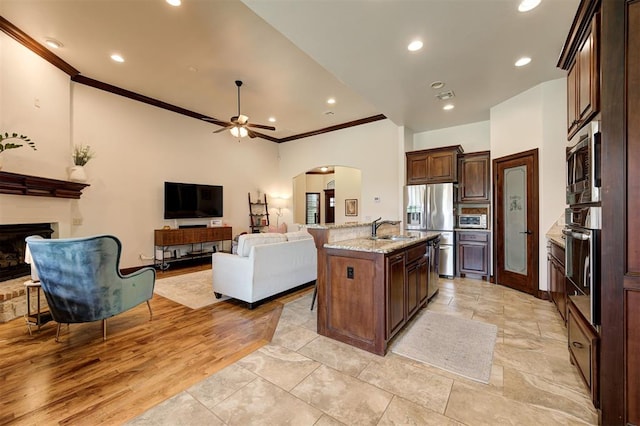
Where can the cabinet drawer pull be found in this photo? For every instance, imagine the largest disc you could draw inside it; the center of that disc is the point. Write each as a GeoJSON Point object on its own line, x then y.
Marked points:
{"type": "Point", "coordinates": [577, 345]}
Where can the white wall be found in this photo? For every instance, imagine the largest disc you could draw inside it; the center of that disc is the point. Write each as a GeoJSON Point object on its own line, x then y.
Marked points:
{"type": "Point", "coordinates": [537, 119]}
{"type": "Point", "coordinates": [372, 148]}
{"type": "Point", "coordinates": [137, 148]}
{"type": "Point", "coordinates": [473, 137]}
{"type": "Point", "coordinates": [348, 186]}
{"type": "Point", "coordinates": [35, 102]}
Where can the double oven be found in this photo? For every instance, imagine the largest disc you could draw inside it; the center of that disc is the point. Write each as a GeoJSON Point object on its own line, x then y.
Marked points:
{"type": "Point", "coordinates": [583, 221]}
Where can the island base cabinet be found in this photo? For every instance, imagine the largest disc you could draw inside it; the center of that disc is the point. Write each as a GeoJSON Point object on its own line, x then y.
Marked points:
{"type": "Point", "coordinates": [368, 297]}
{"type": "Point", "coordinates": [354, 292]}
{"type": "Point", "coordinates": [396, 313]}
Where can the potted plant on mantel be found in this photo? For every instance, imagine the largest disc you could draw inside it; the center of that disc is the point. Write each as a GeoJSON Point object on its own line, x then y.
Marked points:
{"type": "Point", "coordinates": [11, 145]}
{"type": "Point", "coordinates": [81, 156]}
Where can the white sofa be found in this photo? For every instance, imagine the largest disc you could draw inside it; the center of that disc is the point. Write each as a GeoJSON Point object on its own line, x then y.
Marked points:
{"type": "Point", "coordinates": [267, 264]}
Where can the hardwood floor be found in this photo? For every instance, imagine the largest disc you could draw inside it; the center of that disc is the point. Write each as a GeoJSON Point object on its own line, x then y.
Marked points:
{"type": "Point", "coordinates": [84, 379]}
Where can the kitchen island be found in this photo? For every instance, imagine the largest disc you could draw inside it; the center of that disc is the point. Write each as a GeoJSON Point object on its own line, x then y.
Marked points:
{"type": "Point", "coordinates": [368, 289]}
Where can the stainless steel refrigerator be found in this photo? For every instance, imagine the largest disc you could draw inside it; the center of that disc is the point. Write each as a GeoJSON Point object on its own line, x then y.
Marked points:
{"type": "Point", "coordinates": [430, 208]}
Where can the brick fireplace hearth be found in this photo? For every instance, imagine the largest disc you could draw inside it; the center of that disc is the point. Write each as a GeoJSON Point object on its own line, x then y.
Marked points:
{"type": "Point", "coordinates": [13, 270]}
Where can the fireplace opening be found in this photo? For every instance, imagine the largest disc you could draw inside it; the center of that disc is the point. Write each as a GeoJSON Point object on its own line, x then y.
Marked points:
{"type": "Point", "coordinates": [13, 246]}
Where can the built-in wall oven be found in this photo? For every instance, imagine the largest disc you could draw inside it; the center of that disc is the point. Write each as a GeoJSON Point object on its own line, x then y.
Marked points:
{"type": "Point", "coordinates": [582, 259]}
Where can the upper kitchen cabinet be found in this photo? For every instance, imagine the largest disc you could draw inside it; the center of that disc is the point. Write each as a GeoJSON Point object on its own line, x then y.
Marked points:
{"type": "Point", "coordinates": [474, 182]}
{"type": "Point", "coordinates": [439, 165]}
{"type": "Point", "coordinates": [580, 56]}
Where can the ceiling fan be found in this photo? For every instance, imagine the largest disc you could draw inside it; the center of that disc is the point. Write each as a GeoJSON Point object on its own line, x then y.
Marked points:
{"type": "Point", "coordinates": [239, 124]}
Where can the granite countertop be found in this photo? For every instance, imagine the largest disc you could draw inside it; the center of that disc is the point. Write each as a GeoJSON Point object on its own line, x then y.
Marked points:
{"type": "Point", "coordinates": [382, 245]}
{"type": "Point", "coordinates": [556, 238]}
{"type": "Point", "coordinates": [555, 232]}
{"type": "Point", "coordinates": [338, 226]}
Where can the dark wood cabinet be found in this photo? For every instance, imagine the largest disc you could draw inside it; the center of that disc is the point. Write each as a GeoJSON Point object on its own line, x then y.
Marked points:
{"type": "Point", "coordinates": [439, 165]}
{"type": "Point", "coordinates": [195, 237]}
{"type": "Point", "coordinates": [619, 344]}
{"type": "Point", "coordinates": [352, 299]}
{"type": "Point", "coordinates": [369, 296]}
{"type": "Point", "coordinates": [583, 349]}
{"type": "Point", "coordinates": [474, 181]}
{"type": "Point", "coordinates": [473, 253]}
{"type": "Point", "coordinates": [583, 81]}
{"type": "Point", "coordinates": [417, 278]}
{"type": "Point", "coordinates": [396, 297]}
{"type": "Point", "coordinates": [555, 277]}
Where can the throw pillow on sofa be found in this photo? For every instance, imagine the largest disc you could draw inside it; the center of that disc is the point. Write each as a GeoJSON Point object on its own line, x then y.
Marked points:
{"type": "Point", "coordinates": [245, 242]}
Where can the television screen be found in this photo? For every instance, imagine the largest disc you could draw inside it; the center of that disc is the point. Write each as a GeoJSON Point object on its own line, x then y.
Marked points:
{"type": "Point", "coordinates": [190, 200]}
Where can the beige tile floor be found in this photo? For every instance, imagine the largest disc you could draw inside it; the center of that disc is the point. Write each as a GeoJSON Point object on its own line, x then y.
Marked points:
{"type": "Point", "coordinates": [301, 378]}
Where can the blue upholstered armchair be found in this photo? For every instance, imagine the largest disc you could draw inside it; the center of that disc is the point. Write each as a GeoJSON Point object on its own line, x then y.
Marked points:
{"type": "Point", "coordinates": [81, 280]}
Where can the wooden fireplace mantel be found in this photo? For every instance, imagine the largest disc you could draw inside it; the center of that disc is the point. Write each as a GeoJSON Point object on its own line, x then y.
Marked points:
{"type": "Point", "coordinates": [17, 184]}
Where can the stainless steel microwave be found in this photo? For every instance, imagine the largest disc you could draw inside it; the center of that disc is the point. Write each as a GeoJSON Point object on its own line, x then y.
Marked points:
{"type": "Point", "coordinates": [583, 166]}
{"type": "Point", "coordinates": [478, 221]}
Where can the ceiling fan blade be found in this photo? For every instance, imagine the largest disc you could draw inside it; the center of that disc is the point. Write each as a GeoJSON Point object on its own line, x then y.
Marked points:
{"type": "Point", "coordinates": [261, 126]}
{"type": "Point", "coordinates": [223, 129]}
{"type": "Point", "coordinates": [215, 121]}
{"type": "Point", "coordinates": [251, 133]}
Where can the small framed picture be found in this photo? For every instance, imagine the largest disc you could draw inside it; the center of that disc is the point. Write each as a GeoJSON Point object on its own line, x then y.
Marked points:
{"type": "Point", "coordinates": [351, 207]}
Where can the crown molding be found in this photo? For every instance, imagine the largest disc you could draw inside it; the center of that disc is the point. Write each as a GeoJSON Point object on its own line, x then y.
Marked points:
{"type": "Point", "coordinates": [40, 50]}
{"type": "Point", "coordinates": [37, 48]}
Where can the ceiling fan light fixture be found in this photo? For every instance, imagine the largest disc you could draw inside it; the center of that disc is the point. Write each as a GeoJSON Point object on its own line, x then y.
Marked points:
{"type": "Point", "coordinates": [239, 132]}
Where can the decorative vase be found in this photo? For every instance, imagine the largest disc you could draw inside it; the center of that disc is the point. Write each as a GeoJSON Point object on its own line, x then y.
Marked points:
{"type": "Point", "coordinates": [77, 174]}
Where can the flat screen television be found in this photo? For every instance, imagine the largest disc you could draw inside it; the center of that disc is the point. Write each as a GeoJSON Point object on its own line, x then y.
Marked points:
{"type": "Point", "coordinates": [190, 200]}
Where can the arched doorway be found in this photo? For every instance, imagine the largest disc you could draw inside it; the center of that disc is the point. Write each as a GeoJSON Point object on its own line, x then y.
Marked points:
{"type": "Point", "coordinates": [330, 186]}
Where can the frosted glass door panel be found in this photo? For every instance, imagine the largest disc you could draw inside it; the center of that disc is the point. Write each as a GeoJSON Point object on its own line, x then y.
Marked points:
{"type": "Point", "coordinates": [515, 219]}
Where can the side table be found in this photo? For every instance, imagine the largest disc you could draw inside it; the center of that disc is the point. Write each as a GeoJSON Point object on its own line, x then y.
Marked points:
{"type": "Point", "coordinates": [38, 317]}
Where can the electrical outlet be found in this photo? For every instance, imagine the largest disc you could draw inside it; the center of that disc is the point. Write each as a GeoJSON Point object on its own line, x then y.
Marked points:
{"type": "Point", "coordinates": [76, 221]}
{"type": "Point", "coordinates": [350, 272]}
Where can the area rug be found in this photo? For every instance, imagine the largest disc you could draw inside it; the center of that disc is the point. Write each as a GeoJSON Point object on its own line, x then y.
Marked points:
{"type": "Point", "coordinates": [458, 345]}
{"type": "Point", "coordinates": [193, 290]}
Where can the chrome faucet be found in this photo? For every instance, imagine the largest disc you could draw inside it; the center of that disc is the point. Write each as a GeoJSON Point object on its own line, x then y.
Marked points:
{"type": "Point", "coordinates": [375, 225]}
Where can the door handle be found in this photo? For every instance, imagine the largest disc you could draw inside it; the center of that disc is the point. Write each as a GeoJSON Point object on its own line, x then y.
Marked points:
{"type": "Point", "coordinates": [527, 232]}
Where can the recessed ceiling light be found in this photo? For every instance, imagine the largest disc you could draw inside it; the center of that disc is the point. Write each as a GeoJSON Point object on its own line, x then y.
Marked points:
{"type": "Point", "coordinates": [522, 61]}
{"type": "Point", "coordinates": [331, 101]}
{"type": "Point", "coordinates": [414, 45]}
{"type": "Point", "coordinates": [437, 85]}
{"type": "Point", "coordinates": [174, 2]}
{"type": "Point", "coordinates": [53, 43]}
{"type": "Point", "coordinates": [272, 119]}
{"type": "Point", "coordinates": [527, 5]}
{"type": "Point", "coordinates": [117, 57]}
{"type": "Point", "coordinates": [448, 107]}
{"type": "Point", "coordinates": [324, 169]}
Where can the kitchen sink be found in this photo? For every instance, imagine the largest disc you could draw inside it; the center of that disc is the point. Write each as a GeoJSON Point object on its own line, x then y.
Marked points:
{"type": "Point", "coordinates": [393, 237]}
